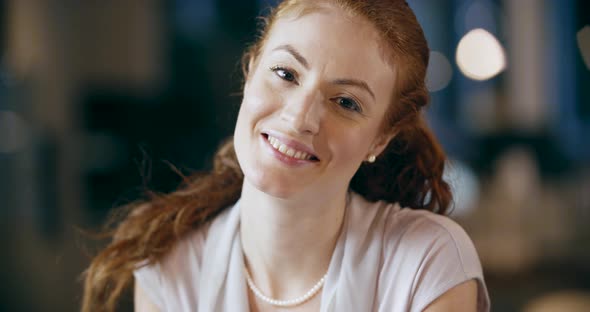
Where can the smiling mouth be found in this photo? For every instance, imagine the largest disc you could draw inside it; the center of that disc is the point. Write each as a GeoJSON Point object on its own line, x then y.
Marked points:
{"type": "Point", "coordinates": [288, 151]}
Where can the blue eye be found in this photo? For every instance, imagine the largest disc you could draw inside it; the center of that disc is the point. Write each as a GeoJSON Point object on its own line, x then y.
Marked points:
{"type": "Point", "coordinates": [284, 73]}
{"type": "Point", "coordinates": [349, 104]}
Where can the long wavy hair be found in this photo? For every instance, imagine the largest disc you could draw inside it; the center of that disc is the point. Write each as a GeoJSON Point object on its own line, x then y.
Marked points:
{"type": "Point", "coordinates": [409, 171]}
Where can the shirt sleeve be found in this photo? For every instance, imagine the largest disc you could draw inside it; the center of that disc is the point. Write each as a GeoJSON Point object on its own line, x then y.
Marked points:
{"type": "Point", "coordinates": [448, 258]}
{"type": "Point", "coordinates": [149, 278]}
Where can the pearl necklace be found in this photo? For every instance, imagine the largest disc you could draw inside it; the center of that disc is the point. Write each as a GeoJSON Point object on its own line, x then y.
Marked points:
{"type": "Point", "coordinates": [285, 303]}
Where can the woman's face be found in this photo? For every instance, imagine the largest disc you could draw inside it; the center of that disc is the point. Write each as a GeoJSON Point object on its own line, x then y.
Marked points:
{"type": "Point", "coordinates": [313, 104]}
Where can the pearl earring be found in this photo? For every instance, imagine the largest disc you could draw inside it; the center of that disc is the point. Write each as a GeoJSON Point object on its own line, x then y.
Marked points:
{"type": "Point", "coordinates": [371, 158]}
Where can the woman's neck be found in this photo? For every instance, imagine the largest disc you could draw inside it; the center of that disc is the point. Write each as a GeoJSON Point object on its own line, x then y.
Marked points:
{"type": "Point", "coordinates": [288, 244]}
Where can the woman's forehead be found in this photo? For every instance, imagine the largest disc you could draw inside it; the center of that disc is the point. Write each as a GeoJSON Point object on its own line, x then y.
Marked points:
{"type": "Point", "coordinates": [326, 24]}
{"type": "Point", "coordinates": [332, 39]}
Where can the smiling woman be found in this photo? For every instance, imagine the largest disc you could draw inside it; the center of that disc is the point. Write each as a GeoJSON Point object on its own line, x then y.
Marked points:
{"type": "Point", "coordinates": [330, 195]}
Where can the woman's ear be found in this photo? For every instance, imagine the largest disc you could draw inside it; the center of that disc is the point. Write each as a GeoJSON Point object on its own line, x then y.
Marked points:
{"type": "Point", "coordinates": [380, 144]}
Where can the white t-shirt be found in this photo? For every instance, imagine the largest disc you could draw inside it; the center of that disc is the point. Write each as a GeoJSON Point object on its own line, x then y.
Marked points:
{"type": "Point", "coordinates": [386, 259]}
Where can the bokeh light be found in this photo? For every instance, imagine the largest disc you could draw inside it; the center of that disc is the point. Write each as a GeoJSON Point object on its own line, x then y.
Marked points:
{"type": "Point", "coordinates": [14, 132]}
{"type": "Point", "coordinates": [583, 38]}
{"type": "Point", "coordinates": [464, 186]}
{"type": "Point", "coordinates": [480, 56]}
{"type": "Point", "coordinates": [439, 72]}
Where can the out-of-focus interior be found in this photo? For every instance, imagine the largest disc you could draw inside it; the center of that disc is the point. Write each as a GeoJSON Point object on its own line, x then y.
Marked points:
{"type": "Point", "coordinates": [99, 98]}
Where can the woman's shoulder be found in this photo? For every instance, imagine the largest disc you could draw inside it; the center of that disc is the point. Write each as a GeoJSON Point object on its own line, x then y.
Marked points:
{"type": "Point", "coordinates": [174, 281]}
{"type": "Point", "coordinates": [425, 225]}
{"type": "Point", "coordinates": [183, 259]}
{"type": "Point", "coordinates": [178, 270]}
{"type": "Point", "coordinates": [429, 234]}
{"type": "Point", "coordinates": [424, 254]}
{"type": "Point", "coordinates": [445, 254]}
{"type": "Point", "coordinates": [177, 274]}
{"type": "Point", "coordinates": [188, 251]}
{"type": "Point", "coordinates": [413, 228]}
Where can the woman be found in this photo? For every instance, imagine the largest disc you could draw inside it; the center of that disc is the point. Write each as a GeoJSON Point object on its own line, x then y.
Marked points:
{"type": "Point", "coordinates": [329, 144]}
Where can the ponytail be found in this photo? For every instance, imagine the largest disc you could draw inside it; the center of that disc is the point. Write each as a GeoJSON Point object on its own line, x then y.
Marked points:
{"type": "Point", "coordinates": [408, 171]}
{"type": "Point", "coordinates": [151, 228]}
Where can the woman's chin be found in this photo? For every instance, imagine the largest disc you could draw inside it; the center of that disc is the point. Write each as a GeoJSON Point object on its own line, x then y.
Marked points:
{"type": "Point", "coordinates": [275, 186]}
{"type": "Point", "coordinates": [276, 189]}
{"type": "Point", "coordinates": [272, 179]}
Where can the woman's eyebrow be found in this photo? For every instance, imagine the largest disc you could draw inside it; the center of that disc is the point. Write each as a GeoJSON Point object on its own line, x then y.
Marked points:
{"type": "Point", "coordinates": [355, 82]}
{"type": "Point", "coordinates": [348, 82]}
{"type": "Point", "coordinates": [291, 50]}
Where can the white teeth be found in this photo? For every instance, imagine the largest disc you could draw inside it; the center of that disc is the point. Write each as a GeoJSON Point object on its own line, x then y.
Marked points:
{"type": "Point", "coordinates": [282, 148]}
{"type": "Point", "coordinates": [304, 156]}
{"type": "Point", "coordinates": [290, 152]}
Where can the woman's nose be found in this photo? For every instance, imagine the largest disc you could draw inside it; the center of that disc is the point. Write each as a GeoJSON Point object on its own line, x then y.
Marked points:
{"type": "Point", "coordinates": [303, 112]}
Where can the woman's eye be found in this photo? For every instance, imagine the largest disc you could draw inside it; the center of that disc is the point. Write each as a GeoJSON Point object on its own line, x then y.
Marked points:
{"type": "Point", "coordinates": [349, 104]}
{"type": "Point", "coordinates": [284, 73]}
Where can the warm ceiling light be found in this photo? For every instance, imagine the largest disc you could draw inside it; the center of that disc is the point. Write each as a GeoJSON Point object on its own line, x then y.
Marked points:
{"type": "Point", "coordinates": [480, 55]}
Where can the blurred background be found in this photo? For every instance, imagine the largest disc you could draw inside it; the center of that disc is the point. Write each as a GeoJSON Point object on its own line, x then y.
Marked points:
{"type": "Point", "coordinates": [98, 98]}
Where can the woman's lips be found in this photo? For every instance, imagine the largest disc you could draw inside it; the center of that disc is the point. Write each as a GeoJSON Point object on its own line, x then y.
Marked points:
{"type": "Point", "coordinates": [288, 148]}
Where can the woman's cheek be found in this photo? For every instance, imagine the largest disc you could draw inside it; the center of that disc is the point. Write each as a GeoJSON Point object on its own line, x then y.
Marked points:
{"type": "Point", "coordinates": [253, 104]}
{"type": "Point", "coordinates": [262, 98]}
{"type": "Point", "coordinates": [354, 142]}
